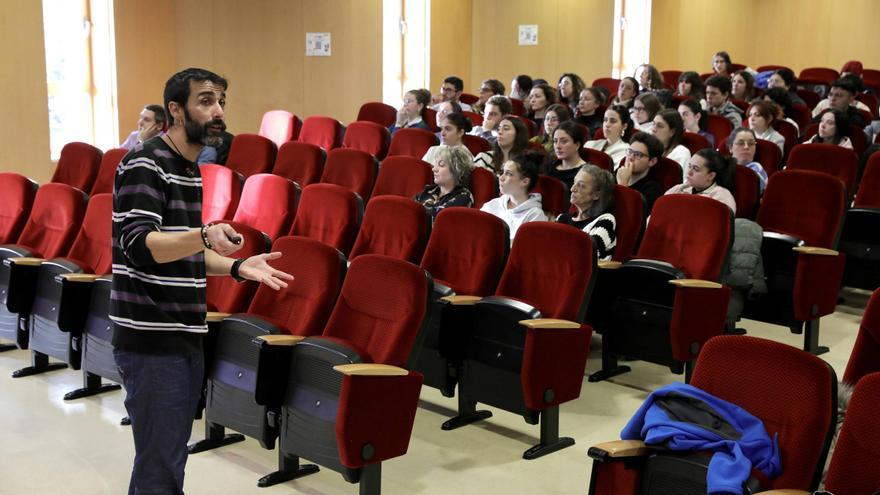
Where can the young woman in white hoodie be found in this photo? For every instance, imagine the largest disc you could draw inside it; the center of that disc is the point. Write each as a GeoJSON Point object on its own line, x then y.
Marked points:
{"type": "Point", "coordinates": [517, 205]}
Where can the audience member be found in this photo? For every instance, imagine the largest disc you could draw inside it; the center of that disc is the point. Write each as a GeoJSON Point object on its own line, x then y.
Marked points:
{"type": "Point", "coordinates": [743, 84]}
{"type": "Point", "coordinates": [452, 172]}
{"type": "Point", "coordinates": [781, 98]}
{"type": "Point", "coordinates": [669, 129]}
{"type": "Point", "coordinates": [833, 129]}
{"type": "Point", "coordinates": [556, 114]}
{"type": "Point", "coordinates": [452, 129]}
{"type": "Point", "coordinates": [567, 142]}
{"type": "Point", "coordinates": [520, 87]}
{"type": "Point", "coordinates": [570, 86]}
{"type": "Point", "coordinates": [517, 204]}
{"type": "Point", "coordinates": [718, 89]}
{"type": "Point", "coordinates": [784, 78]}
{"type": "Point", "coordinates": [643, 110]}
{"type": "Point", "coordinates": [592, 195]}
{"type": "Point", "coordinates": [842, 96]}
{"type": "Point", "coordinates": [627, 90]}
{"type": "Point", "coordinates": [649, 78]}
{"type": "Point", "coordinates": [690, 85]}
{"type": "Point", "coordinates": [540, 98]}
{"type": "Point", "coordinates": [721, 64]}
{"type": "Point", "coordinates": [451, 91]}
{"type": "Point", "coordinates": [512, 140]}
{"type": "Point", "coordinates": [591, 99]}
{"type": "Point", "coordinates": [762, 113]}
{"type": "Point", "coordinates": [616, 126]}
{"type": "Point", "coordinates": [488, 89]}
{"type": "Point", "coordinates": [643, 153]}
{"type": "Point", "coordinates": [412, 113]}
{"type": "Point", "coordinates": [743, 143]}
{"type": "Point", "coordinates": [708, 174]}
{"type": "Point", "coordinates": [496, 109]}
{"type": "Point", "coordinates": [151, 123]}
{"type": "Point", "coordinates": [694, 118]}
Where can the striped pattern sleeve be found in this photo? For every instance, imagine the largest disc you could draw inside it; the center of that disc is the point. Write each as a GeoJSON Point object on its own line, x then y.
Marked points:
{"type": "Point", "coordinates": [603, 232]}
{"type": "Point", "coordinates": [139, 207]}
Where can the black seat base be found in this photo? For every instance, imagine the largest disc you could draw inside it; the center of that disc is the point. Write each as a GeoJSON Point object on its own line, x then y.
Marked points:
{"type": "Point", "coordinates": [467, 413]}
{"type": "Point", "coordinates": [91, 386]}
{"type": "Point", "coordinates": [39, 364]}
{"type": "Point", "coordinates": [542, 449]}
{"type": "Point", "coordinates": [215, 436]}
{"type": "Point", "coordinates": [606, 373]}
{"type": "Point", "coordinates": [289, 469]}
{"type": "Point", "coordinates": [8, 347]}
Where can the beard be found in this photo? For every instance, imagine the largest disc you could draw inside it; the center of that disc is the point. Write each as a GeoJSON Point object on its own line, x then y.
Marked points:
{"type": "Point", "coordinates": [202, 133]}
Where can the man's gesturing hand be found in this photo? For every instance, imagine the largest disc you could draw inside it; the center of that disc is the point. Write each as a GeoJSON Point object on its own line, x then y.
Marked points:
{"type": "Point", "coordinates": [256, 268]}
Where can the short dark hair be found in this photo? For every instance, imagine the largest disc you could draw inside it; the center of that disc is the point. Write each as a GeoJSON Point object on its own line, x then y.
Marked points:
{"type": "Point", "coordinates": [495, 85]}
{"type": "Point", "coordinates": [460, 121]}
{"type": "Point", "coordinates": [723, 166]}
{"type": "Point", "coordinates": [655, 147]}
{"type": "Point", "coordinates": [502, 102]}
{"type": "Point", "coordinates": [779, 96]}
{"type": "Point", "coordinates": [528, 167]}
{"type": "Point", "coordinates": [846, 84]}
{"type": "Point", "coordinates": [524, 82]}
{"type": "Point", "coordinates": [177, 88]}
{"type": "Point", "coordinates": [732, 136]}
{"type": "Point", "coordinates": [456, 82]}
{"type": "Point", "coordinates": [159, 112]}
{"type": "Point", "coordinates": [722, 83]}
{"type": "Point", "coordinates": [787, 76]}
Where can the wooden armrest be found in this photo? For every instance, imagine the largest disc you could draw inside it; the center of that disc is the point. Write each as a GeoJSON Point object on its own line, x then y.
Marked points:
{"type": "Point", "coordinates": [280, 339]}
{"type": "Point", "coordinates": [786, 491]}
{"type": "Point", "coordinates": [609, 265]}
{"type": "Point", "coordinates": [695, 283]}
{"type": "Point", "coordinates": [549, 323]}
{"type": "Point", "coordinates": [216, 316]}
{"type": "Point", "coordinates": [24, 261]}
{"type": "Point", "coordinates": [79, 277]}
{"type": "Point", "coordinates": [620, 448]}
{"type": "Point", "coordinates": [815, 250]}
{"type": "Point", "coordinates": [370, 369]}
{"type": "Point", "coordinates": [461, 300]}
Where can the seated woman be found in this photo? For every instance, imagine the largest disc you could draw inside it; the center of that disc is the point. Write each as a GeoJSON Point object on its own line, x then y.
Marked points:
{"type": "Point", "coordinates": [694, 118]}
{"type": "Point", "coordinates": [412, 113]}
{"type": "Point", "coordinates": [520, 87]}
{"type": "Point", "coordinates": [708, 174]}
{"type": "Point", "coordinates": [592, 195]}
{"type": "Point", "coordinates": [556, 114]}
{"type": "Point", "coordinates": [721, 64]}
{"type": "Point", "coordinates": [783, 101]}
{"type": "Point", "coordinates": [743, 85]}
{"type": "Point", "coordinates": [833, 129]}
{"type": "Point", "coordinates": [643, 111]}
{"type": "Point", "coordinates": [452, 129]}
{"type": "Point", "coordinates": [540, 99]}
{"type": "Point", "coordinates": [649, 78]}
{"type": "Point", "coordinates": [691, 86]}
{"type": "Point", "coordinates": [616, 126]}
{"type": "Point", "coordinates": [570, 86]}
{"type": "Point", "coordinates": [513, 140]}
{"type": "Point", "coordinates": [443, 109]}
{"type": "Point", "coordinates": [567, 141]}
{"type": "Point", "coordinates": [627, 90]}
{"type": "Point", "coordinates": [669, 129]}
{"type": "Point", "coordinates": [761, 115]}
{"type": "Point", "coordinates": [517, 204]}
{"type": "Point", "coordinates": [587, 111]}
{"type": "Point", "coordinates": [451, 174]}
{"type": "Point", "coordinates": [743, 144]}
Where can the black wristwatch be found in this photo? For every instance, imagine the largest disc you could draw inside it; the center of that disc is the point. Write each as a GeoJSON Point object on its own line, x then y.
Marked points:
{"type": "Point", "coordinates": [234, 270]}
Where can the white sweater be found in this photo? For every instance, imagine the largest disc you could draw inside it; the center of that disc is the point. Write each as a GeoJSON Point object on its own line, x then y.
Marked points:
{"type": "Point", "coordinates": [529, 210]}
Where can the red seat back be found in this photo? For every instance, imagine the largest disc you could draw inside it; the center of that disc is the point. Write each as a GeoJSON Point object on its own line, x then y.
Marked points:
{"type": "Point", "coordinates": [221, 192]}
{"type": "Point", "coordinates": [431, 119]}
{"type": "Point", "coordinates": [302, 163]}
{"type": "Point", "coordinates": [517, 107]}
{"type": "Point", "coordinates": [352, 169]}
{"type": "Point", "coordinates": [798, 405]}
{"type": "Point", "coordinates": [475, 118]}
{"type": "Point", "coordinates": [225, 294]}
{"type": "Point", "coordinates": [475, 144]}
{"type": "Point", "coordinates": [719, 127]}
{"type": "Point", "coordinates": [304, 305]}
{"type": "Point", "coordinates": [692, 233]}
{"type": "Point", "coordinates": [810, 97]}
{"type": "Point", "coordinates": [865, 355]}
{"type": "Point", "coordinates": [597, 158]}
{"type": "Point", "coordinates": [801, 114]}
{"type": "Point", "coordinates": [402, 176]}
{"type": "Point", "coordinates": [670, 78]}
{"type": "Point", "coordinates": [280, 126]}
{"type": "Point", "coordinates": [769, 156]}
{"type": "Point", "coordinates": [868, 195]}
{"type": "Point", "coordinates": [629, 214]}
{"type": "Point", "coordinates": [530, 125]}
{"type": "Point", "coordinates": [609, 83]}
{"type": "Point", "coordinates": [107, 171]}
{"type": "Point", "coordinates": [18, 198]}
{"type": "Point", "coordinates": [381, 308]}
{"type": "Point", "coordinates": [826, 158]}
{"type": "Point", "coordinates": [484, 186]}
{"type": "Point", "coordinates": [853, 467]}
{"type": "Point", "coordinates": [805, 204]}
{"type": "Point", "coordinates": [92, 248]}
{"type": "Point", "coordinates": [329, 213]}
{"type": "Point", "coordinates": [268, 204]}
{"type": "Point", "coordinates": [554, 195]}
{"type": "Point", "coordinates": [380, 113]}
{"type": "Point", "coordinates": [411, 142]}
{"type": "Point", "coordinates": [54, 221]}
{"type": "Point", "coordinates": [871, 78]}
{"type": "Point", "coordinates": [78, 165]}
{"type": "Point", "coordinates": [251, 154]}
{"type": "Point", "coordinates": [774, 68]}
{"type": "Point", "coordinates": [324, 132]}
{"type": "Point", "coordinates": [694, 142]}
{"type": "Point", "coordinates": [467, 250]}
{"type": "Point", "coordinates": [393, 226]}
{"type": "Point", "coordinates": [823, 74]}
{"type": "Point", "coordinates": [468, 98]}
{"type": "Point", "coordinates": [870, 100]}
{"type": "Point", "coordinates": [789, 132]}
{"type": "Point", "coordinates": [369, 137]}
{"type": "Point", "coordinates": [667, 172]}
{"type": "Point", "coordinates": [747, 192]}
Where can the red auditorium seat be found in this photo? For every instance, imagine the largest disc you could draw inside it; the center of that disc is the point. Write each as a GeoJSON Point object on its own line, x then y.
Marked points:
{"type": "Point", "coordinates": [402, 176]}
{"type": "Point", "coordinates": [719, 127]}
{"type": "Point", "coordinates": [329, 213]}
{"type": "Point", "coordinates": [468, 98]}
{"type": "Point", "coordinates": [747, 192]}
{"type": "Point", "coordinates": [78, 165]}
{"type": "Point", "coordinates": [860, 238]}
{"type": "Point", "coordinates": [221, 192]}
{"type": "Point", "coordinates": [225, 295]}
{"type": "Point", "coordinates": [412, 142]}
{"type": "Point", "coordinates": [670, 78]}
{"type": "Point", "coordinates": [694, 142]}
{"type": "Point", "coordinates": [324, 132]}
{"type": "Point", "coordinates": [352, 169]}
{"type": "Point", "coordinates": [774, 68]}
{"type": "Point", "coordinates": [380, 113]}
{"type": "Point", "coordinates": [823, 74]}
{"type": "Point", "coordinates": [251, 154]}
{"type": "Point", "coordinates": [517, 107]}
{"type": "Point", "coordinates": [369, 137]}
{"type": "Point", "coordinates": [18, 198]}
{"type": "Point", "coordinates": [554, 195]}
{"type": "Point", "coordinates": [789, 132]}
{"type": "Point", "coordinates": [431, 120]}
{"type": "Point", "coordinates": [107, 171]}
{"type": "Point", "coordinates": [475, 144]}
{"type": "Point", "coordinates": [280, 126]}
{"type": "Point", "coordinates": [864, 358]}
{"type": "Point", "coordinates": [268, 204]}
{"type": "Point", "coordinates": [597, 158]}
{"type": "Point", "coordinates": [475, 118]}
{"type": "Point", "coordinates": [609, 83]}
{"type": "Point", "coordinates": [667, 172]}
{"type": "Point", "coordinates": [302, 163]}
{"type": "Point", "coordinates": [484, 186]}
{"type": "Point", "coordinates": [826, 158]}
{"type": "Point", "coordinates": [393, 226]}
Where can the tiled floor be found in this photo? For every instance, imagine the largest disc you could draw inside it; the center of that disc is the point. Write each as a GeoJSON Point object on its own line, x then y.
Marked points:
{"type": "Point", "coordinates": [53, 446]}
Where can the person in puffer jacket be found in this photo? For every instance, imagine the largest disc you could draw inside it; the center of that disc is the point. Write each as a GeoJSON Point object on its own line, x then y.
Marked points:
{"type": "Point", "coordinates": [745, 275]}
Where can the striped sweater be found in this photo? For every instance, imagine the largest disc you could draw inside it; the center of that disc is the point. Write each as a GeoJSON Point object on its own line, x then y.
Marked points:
{"type": "Point", "coordinates": [156, 307]}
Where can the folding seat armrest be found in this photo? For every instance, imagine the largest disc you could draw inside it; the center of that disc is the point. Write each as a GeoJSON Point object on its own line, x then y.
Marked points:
{"type": "Point", "coordinates": [610, 265]}
{"type": "Point", "coordinates": [21, 284]}
{"type": "Point", "coordinates": [816, 251]}
{"type": "Point", "coordinates": [462, 300]}
{"type": "Point", "coordinates": [442, 290]}
{"type": "Point", "coordinates": [695, 283]}
{"type": "Point", "coordinates": [273, 363]}
{"type": "Point", "coordinates": [370, 369]}
{"type": "Point", "coordinates": [618, 450]}
{"type": "Point", "coordinates": [73, 304]}
{"type": "Point", "coordinates": [555, 323]}
{"type": "Point", "coordinates": [24, 261]}
{"type": "Point", "coordinates": [77, 278]}
{"type": "Point", "coordinates": [277, 340]}
{"type": "Point", "coordinates": [216, 316]}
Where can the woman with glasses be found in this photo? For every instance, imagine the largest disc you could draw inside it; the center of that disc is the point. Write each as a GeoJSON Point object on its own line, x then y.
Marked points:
{"type": "Point", "coordinates": [567, 141]}
{"type": "Point", "coordinates": [412, 113]}
{"type": "Point", "coordinates": [761, 115]}
{"type": "Point", "coordinates": [695, 118]}
{"type": "Point", "coordinates": [643, 110]}
{"type": "Point", "coordinates": [708, 174]}
{"type": "Point", "coordinates": [669, 129]}
{"type": "Point", "coordinates": [555, 115]}
{"type": "Point", "coordinates": [743, 144]}
{"type": "Point", "coordinates": [592, 193]}
{"type": "Point", "coordinates": [616, 126]}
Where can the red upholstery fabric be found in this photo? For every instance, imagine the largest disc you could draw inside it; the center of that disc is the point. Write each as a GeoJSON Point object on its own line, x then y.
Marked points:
{"type": "Point", "coordinates": [769, 156]}
{"type": "Point", "coordinates": [78, 165]}
{"type": "Point", "coordinates": [393, 226]}
{"type": "Point", "coordinates": [381, 308]}
{"type": "Point", "coordinates": [868, 195]}
{"type": "Point", "coordinates": [871, 101]}
{"type": "Point", "coordinates": [693, 233]}
{"type": "Point", "coordinates": [530, 125]}
{"type": "Point", "coordinates": [808, 205]}
{"type": "Point", "coordinates": [816, 284]}
{"type": "Point", "coordinates": [221, 192]}
{"type": "Point", "coordinates": [280, 126]}
{"type": "Point", "coordinates": [303, 306]}
{"type": "Point", "coordinates": [484, 186]}
{"type": "Point", "coordinates": [747, 192]}
{"type": "Point", "coordinates": [369, 137]}
{"type": "Point", "coordinates": [670, 77]}
{"type": "Point", "coordinates": [865, 355]}
{"type": "Point", "coordinates": [609, 83]}
{"type": "Point", "coordinates": [802, 114]}
{"type": "Point", "coordinates": [18, 198]}
{"type": "Point", "coordinates": [826, 158]}
{"type": "Point", "coordinates": [774, 68]}
{"type": "Point", "coordinates": [92, 248]}
{"type": "Point", "coordinates": [798, 405]}
{"type": "Point", "coordinates": [667, 172]}
{"type": "Point", "coordinates": [268, 204]}
{"type": "Point", "coordinates": [719, 126]}
{"type": "Point", "coordinates": [597, 158]}
{"type": "Point", "coordinates": [823, 74]}
{"type": "Point", "coordinates": [475, 144]}
{"type": "Point", "coordinates": [694, 142]}
{"type": "Point", "coordinates": [698, 314]}
{"type": "Point", "coordinates": [430, 118]}
{"type": "Point", "coordinates": [411, 142]}
{"type": "Point", "coordinates": [629, 212]}
{"type": "Point", "coordinates": [554, 195]}
{"type": "Point", "coordinates": [55, 219]}
{"type": "Point", "coordinates": [355, 170]}
{"type": "Point", "coordinates": [107, 171]}
{"type": "Point", "coordinates": [475, 118]}
{"type": "Point", "coordinates": [302, 163]}
{"type": "Point", "coordinates": [467, 250]}
{"type": "Point", "coordinates": [225, 294]}
{"type": "Point", "coordinates": [379, 411]}
{"type": "Point", "coordinates": [468, 98]}
{"type": "Point", "coordinates": [402, 176]}
{"type": "Point", "coordinates": [853, 468]}
{"type": "Point", "coordinates": [324, 132]}
{"type": "Point", "coordinates": [550, 267]}
{"type": "Point", "coordinates": [251, 154]}
{"type": "Point", "coordinates": [330, 214]}
{"type": "Point", "coordinates": [380, 113]}
{"type": "Point", "coordinates": [554, 359]}
{"type": "Point", "coordinates": [614, 478]}
{"type": "Point", "coordinates": [518, 107]}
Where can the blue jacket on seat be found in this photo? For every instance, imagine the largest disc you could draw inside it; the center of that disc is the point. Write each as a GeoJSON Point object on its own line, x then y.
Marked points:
{"type": "Point", "coordinates": [684, 418]}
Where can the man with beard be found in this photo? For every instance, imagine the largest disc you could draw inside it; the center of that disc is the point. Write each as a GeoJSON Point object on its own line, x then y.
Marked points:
{"type": "Point", "coordinates": [161, 256]}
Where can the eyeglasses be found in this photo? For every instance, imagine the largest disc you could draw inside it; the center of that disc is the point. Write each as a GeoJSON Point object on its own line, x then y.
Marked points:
{"type": "Point", "coordinates": [635, 153]}
{"type": "Point", "coordinates": [638, 109]}
{"type": "Point", "coordinates": [745, 144]}
{"type": "Point", "coordinates": [408, 102]}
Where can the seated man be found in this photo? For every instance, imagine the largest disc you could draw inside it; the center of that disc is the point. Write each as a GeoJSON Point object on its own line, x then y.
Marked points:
{"type": "Point", "coordinates": [150, 123]}
{"type": "Point", "coordinates": [497, 108]}
{"type": "Point", "coordinates": [450, 91]}
{"type": "Point", "coordinates": [718, 97]}
{"type": "Point", "coordinates": [643, 153]}
{"type": "Point", "coordinates": [842, 96]}
{"type": "Point", "coordinates": [488, 89]}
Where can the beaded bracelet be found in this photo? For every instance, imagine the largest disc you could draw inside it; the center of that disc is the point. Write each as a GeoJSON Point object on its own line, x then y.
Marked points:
{"type": "Point", "coordinates": [205, 240]}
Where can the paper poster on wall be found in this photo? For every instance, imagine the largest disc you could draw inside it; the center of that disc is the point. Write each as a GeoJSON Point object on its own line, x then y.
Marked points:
{"type": "Point", "coordinates": [528, 34]}
{"type": "Point", "coordinates": [317, 44]}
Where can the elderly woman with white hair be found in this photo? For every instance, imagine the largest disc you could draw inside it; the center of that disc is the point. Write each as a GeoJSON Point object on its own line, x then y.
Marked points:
{"type": "Point", "coordinates": [452, 173]}
{"type": "Point", "coordinates": [592, 195]}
